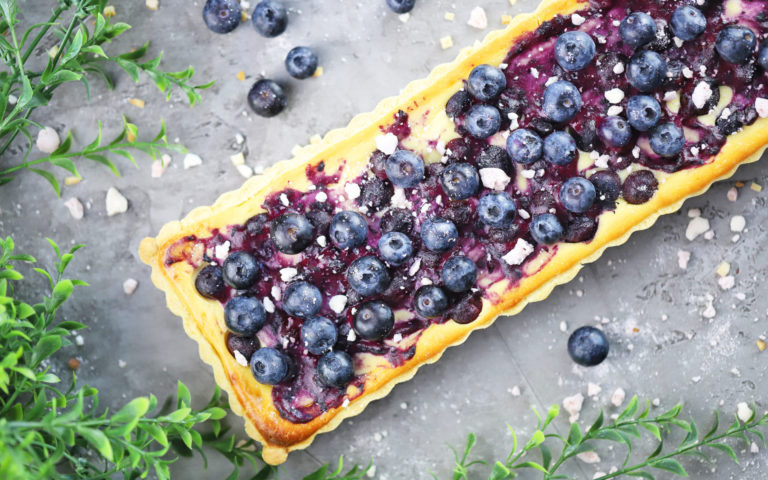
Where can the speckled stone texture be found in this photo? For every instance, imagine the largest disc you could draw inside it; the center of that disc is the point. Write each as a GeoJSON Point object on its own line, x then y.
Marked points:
{"type": "Point", "coordinates": [652, 310]}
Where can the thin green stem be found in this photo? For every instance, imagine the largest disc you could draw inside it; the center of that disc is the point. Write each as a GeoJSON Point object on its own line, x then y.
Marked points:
{"type": "Point", "coordinates": [43, 31]}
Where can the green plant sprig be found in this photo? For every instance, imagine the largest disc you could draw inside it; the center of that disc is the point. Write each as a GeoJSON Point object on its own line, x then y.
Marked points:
{"type": "Point", "coordinates": [624, 430]}
{"type": "Point", "coordinates": [79, 54]}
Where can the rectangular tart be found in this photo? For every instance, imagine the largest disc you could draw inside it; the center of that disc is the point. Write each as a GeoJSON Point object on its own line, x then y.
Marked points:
{"type": "Point", "coordinates": [288, 417]}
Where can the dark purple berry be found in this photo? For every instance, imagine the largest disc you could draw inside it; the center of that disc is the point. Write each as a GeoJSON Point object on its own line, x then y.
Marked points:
{"type": "Point", "coordinates": [222, 16]}
{"type": "Point", "coordinates": [458, 103]}
{"type": "Point", "coordinates": [588, 346]}
{"type": "Point", "coordinates": [581, 229]}
{"type": "Point", "coordinates": [397, 220]}
{"type": "Point", "coordinates": [255, 225]}
{"type": "Point", "coordinates": [267, 98]}
{"type": "Point", "coordinates": [375, 194]}
{"type": "Point", "coordinates": [639, 187]}
{"type": "Point", "coordinates": [245, 345]}
{"type": "Point", "coordinates": [608, 186]}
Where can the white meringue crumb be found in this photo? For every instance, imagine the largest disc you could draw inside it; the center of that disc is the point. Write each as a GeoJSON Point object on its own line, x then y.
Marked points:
{"type": "Point", "coordinates": [116, 202]}
{"type": "Point", "coordinates": [683, 257]}
{"type": "Point", "coordinates": [738, 223]}
{"type": "Point", "coordinates": [191, 161]}
{"type": "Point", "coordinates": [478, 18]}
{"type": "Point", "coordinates": [240, 358]}
{"type": "Point", "coordinates": [288, 273]}
{"type": "Point", "coordinates": [494, 178]}
{"type": "Point", "coordinates": [75, 208]}
{"type": "Point", "coordinates": [618, 397]}
{"type": "Point", "coordinates": [48, 140]}
{"type": "Point", "coordinates": [337, 303]}
{"type": "Point", "coordinates": [130, 285]}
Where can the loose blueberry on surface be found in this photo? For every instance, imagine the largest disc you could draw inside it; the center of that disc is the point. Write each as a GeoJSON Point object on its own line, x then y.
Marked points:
{"type": "Point", "coordinates": [615, 132]}
{"type": "Point", "coordinates": [404, 169]}
{"type": "Point", "coordinates": [348, 230]}
{"type": "Point", "coordinates": [546, 228]}
{"type": "Point", "coordinates": [639, 187]}
{"type": "Point", "coordinates": [647, 70]}
{"type": "Point", "coordinates": [560, 148]}
{"type": "Point", "coordinates": [222, 16]}
{"type": "Point", "coordinates": [580, 229]}
{"type": "Point", "coordinates": [736, 44]}
{"type": "Point", "coordinates": [374, 320]}
{"type": "Point", "coordinates": [292, 233]}
{"type": "Point", "coordinates": [430, 301]}
{"type": "Point", "coordinates": [577, 194]}
{"type": "Point", "coordinates": [497, 209]}
{"type": "Point", "coordinates": [368, 276]}
{"type": "Point", "coordinates": [459, 181]}
{"type": "Point", "coordinates": [245, 345]}
{"type": "Point", "coordinates": [302, 299]}
{"type": "Point", "coordinates": [494, 156]}
{"type": "Point", "coordinates": [301, 62]}
{"type": "Point", "coordinates": [643, 112]}
{"type": "Point", "coordinates": [608, 186]}
{"type": "Point", "coordinates": [486, 82]}
{"type": "Point", "coordinates": [401, 6]}
{"type": "Point", "coordinates": [270, 18]}
{"type": "Point", "coordinates": [396, 220]}
{"type": "Point", "coordinates": [244, 315]}
{"type": "Point", "coordinates": [241, 270]}
{"type": "Point", "coordinates": [688, 22]}
{"type": "Point", "coordinates": [210, 281]}
{"type": "Point", "coordinates": [267, 98]}
{"type": "Point", "coordinates": [637, 29]}
{"type": "Point", "coordinates": [336, 369]}
{"type": "Point", "coordinates": [458, 104]}
{"type": "Point", "coordinates": [667, 140]}
{"type": "Point", "coordinates": [524, 146]}
{"type": "Point", "coordinates": [395, 247]}
{"type": "Point", "coordinates": [318, 335]}
{"type": "Point", "coordinates": [588, 346]}
{"type": "Point", "coordinates": [270, 366]}
{"type": "Point", "coordinates": [482, 121]}
{"type": "Point", "coordinates": [562, 101]}
{"type": "Point", "coordinates": [762, 55]}
{"type": "Point", "coordinates": [439, 234]}
{"type": "Point", "coordinates": [459, 274]}
{"type": "Point", "coordinates": [574, 50]}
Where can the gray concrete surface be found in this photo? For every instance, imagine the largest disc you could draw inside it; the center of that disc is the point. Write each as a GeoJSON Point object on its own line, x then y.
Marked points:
{"type": "Point", "coordinates": [662, 346]}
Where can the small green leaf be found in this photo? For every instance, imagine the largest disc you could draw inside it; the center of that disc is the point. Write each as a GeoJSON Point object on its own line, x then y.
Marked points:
{"type": "Point", "coordinates": [597, 423]}
{"type": "Point", "coordinates": [183, 395]}
{"type": "Point", "coordinates": [132, 411]}
{"type": "Point", "coordinates": [532, 465]}
{"type": "Point", "coordinates": [670, 465]}
{"type": "Point", "coordinates": [725, 448]}
{"type": "Point", "coordinates": [46, 347]}
{"type": "Point", "coordinates": [651, 427]}
{"type": "Point", "coordinates": [50, 178]}
{"type": "Point", "coordinates": [641, 474]}
{"type": "Point", "coordinates": [574, 434]}
{"type": "Point", "coordinates": [61, 293]}
{"type": "Point", "coordinates": [499, 472]}
{"type": "Point", "coordinates": [98, 440]}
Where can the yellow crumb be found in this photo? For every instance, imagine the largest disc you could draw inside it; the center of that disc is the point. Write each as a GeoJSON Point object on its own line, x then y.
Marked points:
{"type": "Point", "coordinates": [54, 50]}
{"type": "Point", "coordinates": [109, 11]}
{"type": "Point", "coordinates": [238, 159]}
{"type": "Point", "coordinates": [756, 187]}
{"type": "Point", "coordinates": [723, 269]}
{"type": "Point", "coordinates": [512, 2]}
{"type": "Point", "coordinates": [241, 75]}
{"type": "Point", "coordinates": [136, 102]}
{"type": "Point", "coordinates": [295, 150]}
{"type": "Point", "coordinates": [244, 16]}
{"type": "Point", "coordinates": [130, 136]}
{"type": "Point", "coordinates": [72, 180]}
{"type": "Point", "coordinates": [153, 4]}
{"type": "Point", "coordinates": [446, 42]}
{"type": "Point", "coordinates": [506, 19]}
{"type": "Point", "coordinates": [761, 345]}
{"type": "Point", "coordinates": [315, 139]}
{"type": "Point", "coordinates": [450, 16]}
{"type": "Point", "coordinates": [739, 184]}
{"type": "Point", "coordinates": [318, 72]}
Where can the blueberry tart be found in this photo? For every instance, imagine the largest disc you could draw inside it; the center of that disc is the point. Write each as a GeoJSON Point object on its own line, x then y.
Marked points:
{"type": "Point", "coordinates": [317, 287]}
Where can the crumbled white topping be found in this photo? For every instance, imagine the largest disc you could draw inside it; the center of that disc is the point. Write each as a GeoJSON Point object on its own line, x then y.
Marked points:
{"type": "Point", "coordinates": [683, 257]}
{"type": "Point", "coordinates": [478, 18]}
{"type": "Point", "coordinates": [288, 273]}
{"type": "Point", "coordinates": [414, 267]}
{"type": "Point", "coordinates": [744, 412]}
{"type": "Point", "coordinates": [727, 282]}
{"type": "Point", "coordinates": [240, 358]}
{"type": "Point", "coordinates": [440, 147]}
{"type": "Point", "coordinates": [528, 173]}
{"type": "Point", "coordinates": [321, 197]}
{"type": "Point", "coordinates": [48, 140]}
{"type": "Point", "coordinates": [121, 363]}
{"type": "Point", "coordinates": [494, 178]}
{"type": "Point", "coordinates": [245, 171]}
{"type": "Point", "coordinates": [761, 105]}
{"type": "Point", "coordinates": [322, 241]}
{"type": "Point", "coordinates": [519, 253]}
{"type": "Point", "coordinates": [399, 200]}
{"type": "Point", "coordinates": [618, 397]}
{"type": "Point", "coordinates": [593, 389]}
{"type": "Point", "coordinates": [701, 94]}
{"type": "Point", "coordinates": [573, 405]}
{"type": "Point", "coordinates": [696, 227]}
{"type": "Point", "coordinates": [75, 208]}
{"type": "Point", "coordinates": [353, 190]}
{"type": "Point", "coordinates": [397, 337]}
{"type": "Point", "coordinates": [738, 223]}
{"type": "Point", "coordinates": [524, 214]}
{"type": "Point", "coordinates": [535, 72]}
{"type": "Point", "coordinates": [589, 457]}
{"type": "Point", "coordinates": [387, 143]}
{"type": "Point", "coordinates": [577, 19]}
{"type": "Point", "coordinates": [404, 17]}
{"type": "Point", "coordinates": [130, 285]}
{"type": "Point", "coordinates": [670, 95]}
{"type": "Point", "coordinates": [694, 151]}
{"type": "Point", "coordinates": [614, 95]}
{"type": "Point", "coordinates": [191, 160]}
{"type": "Point", "coordinates": [687, 72]}
{"type": "Point", "coordinates": [79, 341]}
{"type": "Point", "coordinates": [733, 194]}
{"type": "Point", "coordinates": [269, 306]}
{"type": "Point", "coordinates": [221, 251]}
{"type": "Point", "coordinates": [337, 303]}
{"type": "Point", "coordinates": [614, 110]}
{"type": "Point", "coordinates": [284, 199]}
{"type": "Point", "coordinates": [276, 292]}
{"type": "Point", "coordinates": [237, 159]}
{"type": "Point", "coordinates": [602, 161]}
{"type": "Point", "coordinates": [513, 124]}
{"type": "Point", "coordinates": [678, 41]}
{"type": "Point", "coordinates": [636, 152]}
{"type": "Point", "coordinates": [116, 202]}
{"type": "Point", "coordinates": [351, 335]}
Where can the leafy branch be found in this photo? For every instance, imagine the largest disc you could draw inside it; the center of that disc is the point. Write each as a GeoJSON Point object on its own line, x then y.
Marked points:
{"type": "Point", "coordinates": [624, 430]}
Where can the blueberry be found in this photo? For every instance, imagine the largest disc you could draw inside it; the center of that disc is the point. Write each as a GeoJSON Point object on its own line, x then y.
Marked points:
{"type": "Point", "coordinates": [667, 140]}
{"type": "Point", "coordinates": [292, 233]}
{"type": "Point", "coordinates": [430, 301]}
{"type": "Point", "coordinates": [255, 225]}
{"type": "Point", "coordinates": [577, 194]}
{"type": "Point", "coordinates": [560, 148]}
{"type": "Point", "coordinates": [336, 369]}
{"type": "Point", "coordinates": [395, 247]}
{"type": "Point", "coordinates": [562, 101]}
{"type": "Point", "coordinates": [267, 98]}
{"type": "Point", "coordinates": [574, 50]}
{"type": "Point", "coordinates": [241, 270]}
{"type": "Point", "coordinates": [401, 6]}
{"type": "Point", "coordinates": [301, 62]}
{"type": "Point", "coordinates": [348, 230]}
{"type": "Point", "coordinates": [494, 156]}
{"type": "Point", "coordinates": [459, 274]}
{"type": "Point", "coordinates": [762, 55]}
{"type": "Point", "coordinates": [459, 181]}
{"type": "Point", "coordinates": [486, 82]}
{"type": "Point", "coordinates": [647, 70]}
{"type": "Point", "coordinates": [639, 187]}
{"type": "Point", "coordinates": [222, 16]}
{"type": "Point", "coordinates": [615, 132]}
{"type": "Point", "coordinates": [404, 169]}
{"type": "Point", "coordinates": [302, 299]}
{"type": "Point", "coordinates": [643, 112]}
{"type": "Point", "coordinates": [546, 228]}
{"type": "Point", "coordinates": [512, 100]}
{"type": "Point", "coordinates": [368, 276]}
{"type": "Point", "coordinates": [580, 229]}
{"type": "Point", "coordinates": [374, 320]}
{"type": "Point", "coordinates": [637, 29]}
{"type": "Point", "coordinates": [270, 366]}
{"type": "Point", "coordinates": [270, 18]}
{"type": "Point", "coordinates": [524, 146]}
{"type": "Point", "coordinates": [210, 281]}
{"type": "Point", "coordinates": [245, 345]}
{"type": "Point", "coordinates": [396, 220]}
{"type": "Point", "coordinates": [736, 44]}
{"type": "Point", "coordinates": [458, 103]}
{"type": "Point", "coordinates": [688, 22]}
{"type": "Point", "coordinates": [439, 234]}
{"type": "Point", "coordinates": [608, 186]}
{"type": "Point", "coordinates": [318, 335]}
{"type": "Point", "coordinates": [244, 315]}
{"type": "Point", "coordinates": [482, 121]}
{"type": "Point", "coordinates": [588, 346]}
{"type": "Point", "coordinates": [497, 209]}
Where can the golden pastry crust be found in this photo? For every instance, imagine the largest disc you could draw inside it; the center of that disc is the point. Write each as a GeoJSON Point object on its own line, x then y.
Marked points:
{"type": "Point", "coordinates": [349, 147]}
